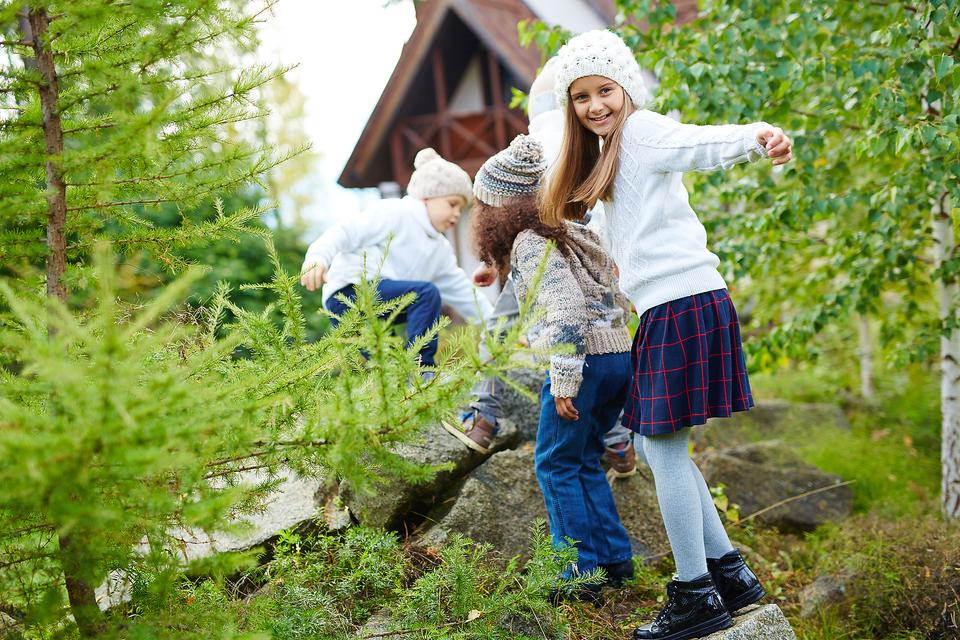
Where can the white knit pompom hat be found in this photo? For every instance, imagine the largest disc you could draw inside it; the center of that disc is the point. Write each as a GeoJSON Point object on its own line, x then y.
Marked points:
{"type": "Point", "coordinates": [599, 53]}
{"type": "Point", "coordinates": [434, 177]}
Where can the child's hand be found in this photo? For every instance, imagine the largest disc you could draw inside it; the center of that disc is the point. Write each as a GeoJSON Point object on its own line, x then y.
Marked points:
{"type": "Point", "coordinates": [484, 275]}
{"type": "Point", "coordinates": [566, 410]}
{"type": "Point", "coordinates": [778, 145]}
{"type": "Point", "coordinates": [313, 276]}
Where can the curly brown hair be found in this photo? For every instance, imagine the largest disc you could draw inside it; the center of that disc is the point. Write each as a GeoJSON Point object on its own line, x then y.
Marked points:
{"type": "Point", "coordinates": [495, 228]}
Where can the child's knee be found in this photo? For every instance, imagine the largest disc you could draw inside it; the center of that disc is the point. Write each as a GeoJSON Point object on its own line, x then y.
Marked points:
{"type": "Point", "coordinates": [429, 296]}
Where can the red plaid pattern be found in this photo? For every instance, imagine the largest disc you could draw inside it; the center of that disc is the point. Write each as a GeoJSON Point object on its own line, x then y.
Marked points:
{"type": "Point", "coordinates": [688, 365]}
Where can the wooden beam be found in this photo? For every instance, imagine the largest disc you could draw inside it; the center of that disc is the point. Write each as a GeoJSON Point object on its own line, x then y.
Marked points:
{"type": "Point", "coordinates": [440, 91]}
{"type": "Point", "coordinates": [439, 82]}
{"type": "Point", "coordinates": [396, 158]}
{"type": "Point", "coordinates": [499, 130]}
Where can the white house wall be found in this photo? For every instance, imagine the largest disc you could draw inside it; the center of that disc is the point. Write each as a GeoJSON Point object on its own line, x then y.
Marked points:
{"type": "Point", "coordinates": [573, 15]}
{"type": "Point", "coordinates": [468, 96]}
{"type": "Point", "coordinates": [465, 256]}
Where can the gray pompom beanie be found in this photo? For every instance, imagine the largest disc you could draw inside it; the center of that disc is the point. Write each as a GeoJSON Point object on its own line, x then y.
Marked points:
{"type": "Point", "coordinates": [599, 53]}
{"type": "Point", "coordinates": [514, 172]}
{"type": "Point", "coordinates": [434, 177]}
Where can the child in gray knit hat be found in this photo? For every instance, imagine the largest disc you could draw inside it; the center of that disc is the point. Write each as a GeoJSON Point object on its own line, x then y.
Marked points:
{"type": "Point", "coordinates": [585, 333]}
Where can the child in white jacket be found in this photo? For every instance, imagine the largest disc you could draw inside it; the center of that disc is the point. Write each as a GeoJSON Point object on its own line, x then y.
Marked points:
{"type": "Point", "coordinates": [419, 258]}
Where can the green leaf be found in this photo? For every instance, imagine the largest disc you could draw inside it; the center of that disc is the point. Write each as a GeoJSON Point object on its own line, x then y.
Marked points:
{"type": "Point", "coordinates": [943, 66]}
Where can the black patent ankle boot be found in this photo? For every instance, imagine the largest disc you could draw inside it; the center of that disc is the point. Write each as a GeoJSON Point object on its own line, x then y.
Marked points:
{"type": "Point", "coordinates": [694, 609]}
{"type": "Point", "coordinates": [736, 583]}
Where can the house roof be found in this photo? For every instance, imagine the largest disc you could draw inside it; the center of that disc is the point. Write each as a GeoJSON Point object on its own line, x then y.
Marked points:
{"type": "Point", "coordinates": [494, 23]}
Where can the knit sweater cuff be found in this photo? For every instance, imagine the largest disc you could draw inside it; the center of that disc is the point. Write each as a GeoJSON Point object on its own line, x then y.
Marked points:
{"type": "Point", "coordinates": [564, 382]}
{"type": "Point", "coordinates": [754, 149]}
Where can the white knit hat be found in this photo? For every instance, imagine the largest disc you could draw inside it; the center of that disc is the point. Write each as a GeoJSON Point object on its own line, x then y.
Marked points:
{"type": "Point", "coordinates": [434, 177]}
{"type": "Point", "coordinates": [599, 53]}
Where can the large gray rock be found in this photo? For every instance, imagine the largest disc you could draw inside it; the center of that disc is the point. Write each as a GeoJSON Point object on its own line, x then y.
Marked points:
{"type": "Point", "coordinates": [822, 592]}
{"type": "Point", "coordinates": [294, 504]}
{"type": "Point", "coordinates": [763, 474]}
{"type": "Point", "coordinates": [523, 411]}
{"type": "Point", "coordinates": [499, 501]}
{"type": "Point", "coordinates": [379, 625]}
{"type": "Point", "coordinates": [497, 504]}
{"type": "Point", "coordinates": [769, 420]}
{"type": "Point", "coordinates": [10, 629]}
{"type": "Point", "coordinates": [766, 622]}
{"type": "Point", "coordinates": [394, 497]}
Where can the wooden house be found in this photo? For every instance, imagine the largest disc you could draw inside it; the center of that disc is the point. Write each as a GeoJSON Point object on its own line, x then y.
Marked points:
{"type": "Point", "coordinates": [452, 86]}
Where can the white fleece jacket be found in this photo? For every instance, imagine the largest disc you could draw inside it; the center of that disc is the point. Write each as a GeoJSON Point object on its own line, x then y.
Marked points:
{"type": "Point", "coordinates": [417, 251]}
{"type": "Point", "coordinates": [654, 235]}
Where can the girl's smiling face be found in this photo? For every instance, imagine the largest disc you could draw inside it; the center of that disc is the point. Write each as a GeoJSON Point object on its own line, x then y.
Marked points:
{"type": "Point", "coordinates": [597, 101]}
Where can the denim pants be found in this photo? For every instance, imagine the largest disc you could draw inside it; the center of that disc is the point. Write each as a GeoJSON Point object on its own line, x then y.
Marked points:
{"type": "Point", "coordinates": [422, 313]}
{"type": "Point", "coordinates": [488, 392]}
{"type": "Point", "coordinates": [579, 502]}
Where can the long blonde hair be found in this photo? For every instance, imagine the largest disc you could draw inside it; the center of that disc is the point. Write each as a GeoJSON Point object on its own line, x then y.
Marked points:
{"type": "Point", "coordinates": [583, 172]}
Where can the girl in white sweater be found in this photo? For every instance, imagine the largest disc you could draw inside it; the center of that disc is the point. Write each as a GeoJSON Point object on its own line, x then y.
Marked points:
{"type": "Point", "coordinates": [687, 359]}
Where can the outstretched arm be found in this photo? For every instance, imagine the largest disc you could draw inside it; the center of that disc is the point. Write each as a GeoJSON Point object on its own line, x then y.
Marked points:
{"type": "Point", "coordinates": [664, 144]}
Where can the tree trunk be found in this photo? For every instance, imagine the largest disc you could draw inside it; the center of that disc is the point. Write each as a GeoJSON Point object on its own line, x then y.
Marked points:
{"type": "Point", "coordinates": [944, 248]}
{"type": "Point", "coordinates": [53, 141]}
{"type": "Point", "coordinates": [866, 359]}
{"type": "Point", "coordinates": [83, 601]}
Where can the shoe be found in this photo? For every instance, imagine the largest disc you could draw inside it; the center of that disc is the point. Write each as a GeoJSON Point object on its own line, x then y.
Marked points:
{"type": "Point", "coordinates": [619, 573]}
{"type": "Point", "coordinates": [584, 593]}
{"type": "Point", "coordinates": [621, 459]}
{"type": "Point", "coordinates": [476, 432]}
{"type": "Point", "coordinates": [736, 583]}
{"type": "Point", "coordinates": [694, 609]}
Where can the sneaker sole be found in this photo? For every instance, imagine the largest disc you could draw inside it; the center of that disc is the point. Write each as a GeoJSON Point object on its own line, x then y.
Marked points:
{"type": "Point", "coordinates": [746, 599]}
{"type": "Point", "coordinates": [703, 629]}
{"type": "Point", "coordinates": [462, 437]}
{"type": "Point", "coordinates": [613, 474]}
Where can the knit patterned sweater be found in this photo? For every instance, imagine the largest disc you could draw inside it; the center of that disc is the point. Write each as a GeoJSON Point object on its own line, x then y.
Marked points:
{"type": "Point", "coordinates": [654, 235]}
{"type": "Point", "coordinates": [582, 303]}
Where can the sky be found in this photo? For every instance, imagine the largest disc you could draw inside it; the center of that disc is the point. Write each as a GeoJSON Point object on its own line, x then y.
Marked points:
{"type": "Point", "coordinates": [346, 52]}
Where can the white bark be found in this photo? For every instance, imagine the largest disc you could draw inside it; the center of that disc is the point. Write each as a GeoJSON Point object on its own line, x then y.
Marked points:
{"type": "Point", "coordinates": [944, 247]}
{"type": "Point", "coordinates": [866, 359]}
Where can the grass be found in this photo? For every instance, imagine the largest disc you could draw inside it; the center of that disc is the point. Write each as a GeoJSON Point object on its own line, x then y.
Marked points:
{"type": "Point", "coordinates": [892, 449]}
{"type": "Point", "coordinates": [899, 561]}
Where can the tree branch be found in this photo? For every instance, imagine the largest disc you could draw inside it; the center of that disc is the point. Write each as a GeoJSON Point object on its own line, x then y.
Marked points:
{"type": "Point", "coordinates": [800, 496]}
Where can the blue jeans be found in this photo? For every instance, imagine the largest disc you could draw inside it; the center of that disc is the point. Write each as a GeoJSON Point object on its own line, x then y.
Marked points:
{"type": "Point", "coordinates": [422, 313]}
{"type": "Point", "coordinates": [579, 503]}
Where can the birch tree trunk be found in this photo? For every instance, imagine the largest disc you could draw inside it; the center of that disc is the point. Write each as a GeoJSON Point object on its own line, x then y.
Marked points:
{"type": "Point", "coordinates": [866, 358]}
{"type": "Point", "coordinates": [944, 247]}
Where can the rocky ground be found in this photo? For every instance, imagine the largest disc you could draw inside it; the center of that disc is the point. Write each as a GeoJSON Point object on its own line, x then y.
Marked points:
{"type": "Point", "coordinates": [494, 499]}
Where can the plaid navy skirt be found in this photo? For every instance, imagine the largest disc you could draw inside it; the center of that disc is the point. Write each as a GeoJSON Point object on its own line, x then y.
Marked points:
{"type": "Point", "coordinates": [688, 365]}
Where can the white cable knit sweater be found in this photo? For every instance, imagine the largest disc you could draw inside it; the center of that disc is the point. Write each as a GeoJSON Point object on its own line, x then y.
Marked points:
{"type": "Point", "coordinates": [654, 235]}
{"type": "Point", "coordinates": [417, 252]}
